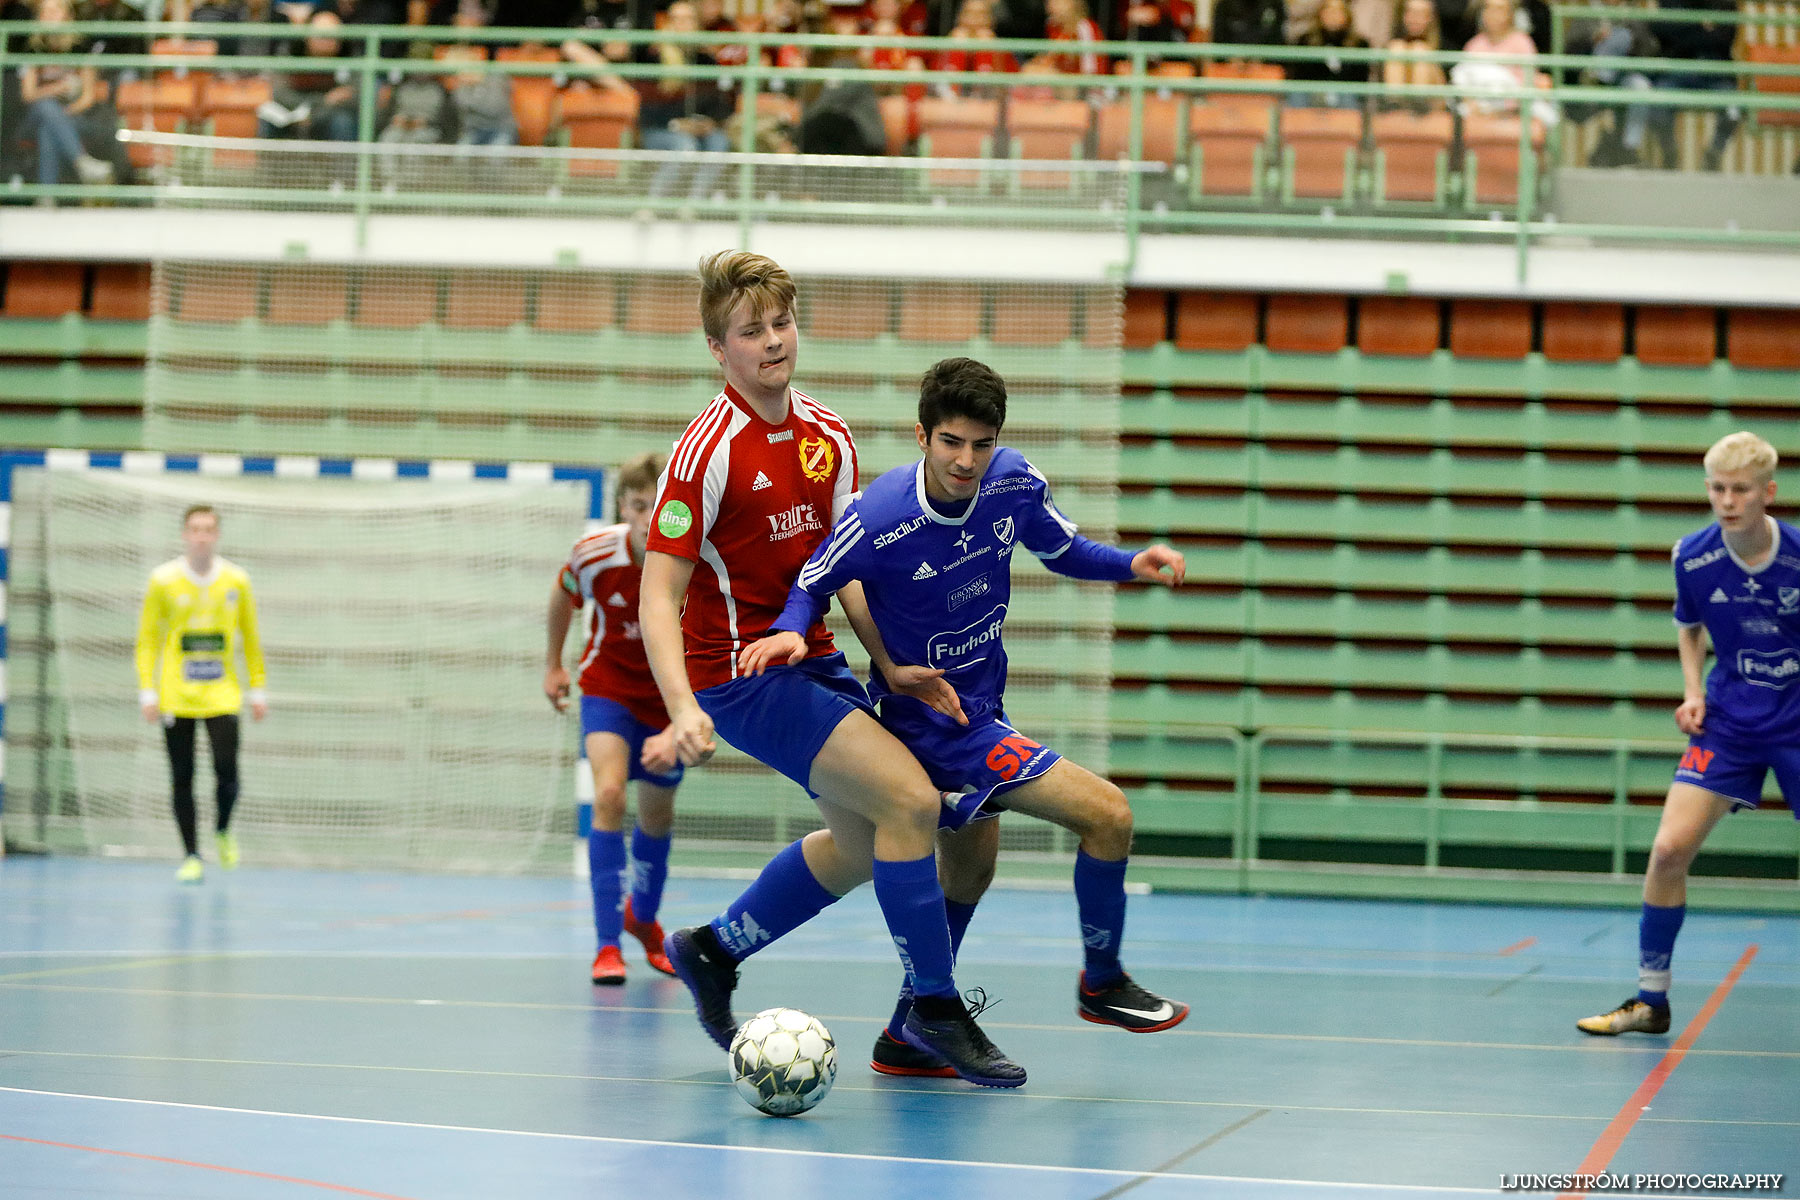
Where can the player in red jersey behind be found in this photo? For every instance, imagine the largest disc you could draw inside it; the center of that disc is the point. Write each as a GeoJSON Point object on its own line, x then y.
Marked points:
{"type": "Point", "coordinates": [620, 710]}
{"type": "Point", "coordinates": [752, 489]}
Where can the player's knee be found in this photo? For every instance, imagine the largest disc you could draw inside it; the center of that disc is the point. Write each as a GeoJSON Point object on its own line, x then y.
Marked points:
{"type": "Point", "coordinates": [609, 803]}
{"type": "Point", "coordinates": [916, 806]}
{"type": "Point", "coordinates": [1671, 855]}
{"type": "Point", "coordinates": [1112, 820]}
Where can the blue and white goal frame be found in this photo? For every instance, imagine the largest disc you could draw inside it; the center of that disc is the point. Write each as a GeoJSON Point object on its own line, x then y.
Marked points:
{"type": "Point", "coordinates": [278, 466]}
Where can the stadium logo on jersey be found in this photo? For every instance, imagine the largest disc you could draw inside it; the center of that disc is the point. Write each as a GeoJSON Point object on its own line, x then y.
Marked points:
{"type": "Point", "coordinates": [762, 481]}
{"type": "Point", "coordinates": [949, 650]}
{"type": "Point", "coordinates": [786, 435]}
{"type": "Point", "coordinates": [675, 519]}
{"type": "Point", "coordinates": [1769, 668]}
{"type": "Point", "coordinates": [1004, 531]}
{"type": "Point", "coordinates": [969, 591]}
{"type": "Point", "coordinates": [1700, 560]}
{"type": "Point", "coordinates": [899, 531]}
{"type": "Point", "coordinates": [1719, 596]}
{"type": "Point", "coordinates": [802, 518]}
{"type": "Point", "coordinates": [817, 458]}
{"type": "Point", "coordinates": [615, 601]}
{"type": "Point", "coordinates": [924, 571]}
{"type": "Point", "coordinates": [1790, 600]}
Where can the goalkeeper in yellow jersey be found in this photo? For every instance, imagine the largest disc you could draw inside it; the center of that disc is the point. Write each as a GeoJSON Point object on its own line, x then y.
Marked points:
{"type": "Point", "coordinates": [198, 611]}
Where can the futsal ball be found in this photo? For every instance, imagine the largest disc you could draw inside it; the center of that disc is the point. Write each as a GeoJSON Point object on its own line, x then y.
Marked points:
{"type": "Point", "coordinates": [783, 1061]}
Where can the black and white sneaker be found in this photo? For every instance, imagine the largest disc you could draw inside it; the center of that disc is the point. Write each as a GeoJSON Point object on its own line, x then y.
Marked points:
{"type": "Point", "coordinates": [1633, 1016]}
{"type": "Point", "coordinates": [1124, 1004]}
{"type": "Point", "coordinates": [951, 1034]}
{"type": "Point", "coordinates": [710, 975]}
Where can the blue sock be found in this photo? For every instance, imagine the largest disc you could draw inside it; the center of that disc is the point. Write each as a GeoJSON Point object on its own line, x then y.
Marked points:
{"type": "Point", "coordinates": [1100, 899]}
{"type": "Point", "coordinates": [784, 897]}
{"type": "Point", "coordinates": [649, 871]}
{"type": "Point", "coordinates": [1656, 943]}
{"type": "Point", "coordinates": [606, 869]}
{"type": "Point", "coordinates": [959, 915]}
{"type": "Point", "coordinates": [913, 904]}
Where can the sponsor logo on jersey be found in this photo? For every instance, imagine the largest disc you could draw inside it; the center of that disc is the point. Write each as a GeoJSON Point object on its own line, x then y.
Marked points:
{"type": "Point", "coordinates": [949, 650]}
{"type": "Point", "coordinates": [924, 571]}
{"type": "Point", "coordinates": [231, 596]}
{"type": "Point", "coordinates": [634, 632]}
{"type": "Point", "coordinates": [962, 542]}
{"type": "Point", "coordinates": [203, 643]}
{"type": "Point", "coordinates": [675, 519]}
{"type": "Point", "coordinates": [1790, 600]}
{"type": "Point", "coordinates": [1759, 626]}
{"type": "Point", "coordinates": [801, 518]}
{"type": "Point", "coordinates": [817, 457]}
{"type": "Point", "coordinates": [969, 591]}
{"type": "Point", "coordinates": [1769, 668]}
{"type": "Point", "coordinates": [615, 601]}
{"type": "Point", "coordinates": [1700, 560]}
{"type": "Point", "coordinates": [786, 435]}
{"type": "Point", "coordinates": [1012, 754]}
{"type": "Point", "coordinates": [899, 531]}
{"type": "Point", "coordinates": [1696, 760]}
{"type": "Point", "coordinates": [762, 481]}
{"type": "Point", "coordinates": [1719, 596]}
{"type": "Point", "coordinates": [1004, 531]}
{"type": "Point", "coordinates": [1753, 587]}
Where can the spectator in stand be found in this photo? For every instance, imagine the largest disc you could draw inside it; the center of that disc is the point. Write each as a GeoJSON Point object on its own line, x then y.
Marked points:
{"type": "Point", "coordinates": [975, 24]}
{"type": "Point", "coordinates": [64, 113]}
{"type": "Point", "coordinates": [1331, 28]}
{"type": "Point", "coordinates": [1155, 21]}
{"type": "Point", "coordinates": [1615, 37]}
{"type": "Point", "coordinates": [678, 113]}
{"type": "Point", "coordinates": [1708, 41]}
{"type": "Point", "coordinates": [1373, 19]}
{"type": "Point", "coordinates": [316, 104]}
{"type": "Point", "coordinates": [1418, 33]}
{"type": "Point", "coordinates": [885, 19]}
{"type": "Point", "coordinates": [1500, 35]}
{"type": "Point", "coordinates": [419, 114]}
{"type": "Point", "coordinates": [1249, 22]}
{"type": "Point", "coordinates": [483, 99]}
{"type": "Point", "coordinates": [1068, 21]}
{"type": "Point", "coordinates": [621, 15]}
{"type": "Point", "coordinates": [791, 16]}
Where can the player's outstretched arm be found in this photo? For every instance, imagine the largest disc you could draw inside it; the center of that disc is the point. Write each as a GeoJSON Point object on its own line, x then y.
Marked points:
{"type": "Point", "coordinates": [557, 616]}
{"type": "Point", "coordinates": [1690, 714]}
{"type": "Point", "coordinates": [921, 683]}
{"type": "Point", "coordinates": [664, 586]}
{"type": "Point", "coordinates": [1148, 565]}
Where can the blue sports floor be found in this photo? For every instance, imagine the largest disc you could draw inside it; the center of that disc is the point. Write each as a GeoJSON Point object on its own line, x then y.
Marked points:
{"type": "Point", "coordinates": [275, 1034]}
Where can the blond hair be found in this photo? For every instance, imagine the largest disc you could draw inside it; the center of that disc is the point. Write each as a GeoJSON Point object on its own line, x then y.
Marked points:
{"type": "Point", "coordinates": [732, 276]}
{"type": "Point", "coordinates": [639, 474]}
{"type": "Point", "coordinates": [1742, 451]}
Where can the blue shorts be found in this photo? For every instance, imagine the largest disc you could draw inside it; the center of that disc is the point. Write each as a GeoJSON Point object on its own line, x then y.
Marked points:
{"type": "Point", "coordinates": [974, 762]}
{"type": "Point", "coordinates": [783, 716]}
{"type": "Point", "coordinates": [1736, 769]}
{"type": "Point", "coordinates": [600, 715]}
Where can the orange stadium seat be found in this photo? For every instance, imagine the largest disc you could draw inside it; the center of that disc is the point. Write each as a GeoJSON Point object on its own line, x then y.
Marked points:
{"type": "Point", "coordinates": [308, 295]}
{"type": "Point", "coordinates": [165, 103]}
{"type": "Point", "coordinates": [1215, 321]}
{"type": "Point", "coordinates": [533, 96]}
{"type": "Point", "coordinates": [390, 298]}
{"type": "Point", "coordinates": [1400, 326]}
{"type": "Point", "coordinates": [1238, 69]}
{"type": "Point", "coordinates": [121, 292]}
{"type": "Point", "coordinates": [1679, 336]}
{"type": "Point", "coordinates": [1027, 316]}
{"type": "Point", "coordinates": [962, 127]}
{"type": "Point", "coordinates": [574, 303]}
{"type": "Point", "coordinates": [227, 109]}
{"type": "Point", "coordinates": [1302, 324]}
{"type": "Point", "coordinates": [939, 312]}
{"type": "Point", "coordinates": [1319, 152]}
{"type": "Point", "coordinates": [857, 310]}
{"type": "Point", "coordinates": [218, 295]}
{"type": "Point", "coordinates": [1226, 148]}
{"type": "Point", "coordinates": [1584, 332]}
{"type": "Point", "coordinates": [1162, 129]}
{"type": "Point", "coordinates": [598, 118]}
{"type": "Point", "coordinates": [1048, 129]}
{"type": "Point", "coordinates": [1412, 155]}
{"type": "Point", "coordinates": [897, 122]}
{"type": "Point", "coordinates": [1766, 338]}
{"type": "Point", "coordinates": [1146, 318]}
{"type": "Point", "coordinates": [660, 304]}
{"type": "Point", "coordinates": [1781, 85]}
{"type": "Point", "coordinates": [1491, 157]}
{"type": "Point", "coordinates": [488, 300]}
{"type": "Point", "coordinates": [42, 289]}
{"type": "Point", "coordinates": [1490, 329]}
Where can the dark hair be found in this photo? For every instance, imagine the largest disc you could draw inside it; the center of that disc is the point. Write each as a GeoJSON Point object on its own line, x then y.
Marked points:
{"type": "Point", "coordinates": [961, 387]}
{"type": "Point", "coordinates": [195, 510]}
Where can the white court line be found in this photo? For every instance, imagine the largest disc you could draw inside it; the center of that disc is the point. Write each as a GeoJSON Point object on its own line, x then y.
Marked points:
{"type": "Point", "coordinates": [1041, 1168]}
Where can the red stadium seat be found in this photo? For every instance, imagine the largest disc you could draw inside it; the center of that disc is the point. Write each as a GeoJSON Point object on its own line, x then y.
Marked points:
{"type": "Point", "coordinates": [228, 109]}
{"type": "Point", "coordinates": [218, 294]}
{"type": "Point", "coordinates": [533, 96]}
{"type": "Point", "coordinates": [574, 303]}
{"type": "Point", "coordinates": [1764, 338]}
{"type": "Point", "coordinates": [165, 103]}
{"type": "Point", "coordinates": [396, 298]}
{"type": "Point", "coordinates": [897, 122]}
{"type": "Point", "coordinates": [1027, 316]}
{"type": "Point", "coordinates": [1146, 317]}
{"type": "Point", "coordinates": [1490, 329]}
{"type": "Point", "coordinates": [598, 118]}
{"type": "Point", "coordinates": [849, 310]}
{"type": "Point", "coordinates": [1400, 326]}
{"type": "Point", "coordinates": [489, 300]}
{"type": "Point", "coordinates": [1162, 129]}
{"type": "Point", "coordinates": [1683, 336]}
{"type": "Point", "coordinates": [939, 312]}
{"type": "Point", "coordinates": [42, 289]}
{"type": "Point", "coordinates": [1302, 324]}
{"type": "Point", "coordinates": [1491, 165]}
{"type": "Point", "coordinates": [1226, 148]}
{"type": "Point", "coordinates": [1781, 85]}
{"type": "Point", "coordinates": [1318, 148]}
{"type": "Point", "coordinates": [961, 127]}
{"type": "Point", "coordinates": [121, 292]}
{"type": "Point", "coordinates": [1215, 321]}
{"type": "Point", "coordinates": [1584, 332]}
{"type": "Point", "coordinates": [1412, 155]}
{"type": "Point", "coordinates": [661, 304]}
{"type": "Point", "coordinates": [308, 295]}
{"type": "Point", "coordinates": [1048, 129]}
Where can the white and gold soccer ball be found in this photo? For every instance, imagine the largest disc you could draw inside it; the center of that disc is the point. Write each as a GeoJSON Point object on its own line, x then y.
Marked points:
{"type": "Point", "coordinates": [783, 1061]}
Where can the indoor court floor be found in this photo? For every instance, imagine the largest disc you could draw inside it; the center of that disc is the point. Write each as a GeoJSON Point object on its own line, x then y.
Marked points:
{"type": "Point", "coordinates": [274, 1033]}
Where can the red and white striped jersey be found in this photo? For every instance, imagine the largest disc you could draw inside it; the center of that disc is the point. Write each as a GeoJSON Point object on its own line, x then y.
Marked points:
{"type": "Point", "coordinates": [602, 574]}
{"type": "Point", "coordinates": [747, 503]}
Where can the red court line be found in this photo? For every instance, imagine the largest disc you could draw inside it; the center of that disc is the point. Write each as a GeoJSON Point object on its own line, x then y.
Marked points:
{"type": "Point", "coordinates": [1527, 944]}
{"type": "Point", "coordinates": [1613, 1136]}
{"type": "Point", "coordinates": [182, 1162]}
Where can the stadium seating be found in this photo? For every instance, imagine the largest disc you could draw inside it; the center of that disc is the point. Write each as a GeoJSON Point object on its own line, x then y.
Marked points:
{"type": "Point", "coordinates": [1491, 165]}
{"type": "Point", "coordinates": [598, 118]}
{"type": "Point", "coordinates": [1227, 148]}
{"type": "Point", "coordinates": [1319, 152]}
{"type": "Point", "coordinates": [1047, 129]}
{"type": "Point", "coordinates": [42, 289]}
{"type": "Point", "coordinates": [1412, 157]}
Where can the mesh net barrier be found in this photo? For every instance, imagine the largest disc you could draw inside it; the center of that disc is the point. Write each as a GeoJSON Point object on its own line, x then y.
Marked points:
{"type": "Point", "coordinates": [568, 363]}
{"type": "Point", "coordinates": [403, 633]}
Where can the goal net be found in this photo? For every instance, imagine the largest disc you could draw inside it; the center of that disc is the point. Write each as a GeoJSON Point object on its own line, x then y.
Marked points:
{"type": "Point", "coordinates": [402, 624]}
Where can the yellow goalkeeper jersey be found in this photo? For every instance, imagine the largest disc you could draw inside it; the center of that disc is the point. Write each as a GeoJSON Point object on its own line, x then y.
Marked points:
{"type": "Point", "coordinates": [195, 625]}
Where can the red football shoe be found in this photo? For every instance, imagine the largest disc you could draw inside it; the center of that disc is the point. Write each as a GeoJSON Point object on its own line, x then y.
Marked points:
{"type": "Point", "coordinates": [650, 933]}
{"type": "Point", "coordinates": [609, 967]}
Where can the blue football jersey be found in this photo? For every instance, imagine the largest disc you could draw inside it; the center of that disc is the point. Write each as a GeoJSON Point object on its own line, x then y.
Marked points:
{"type": "Point", "coordinates": [938, 586]}
{"type": "Point", "coordinates": [1752, 615]}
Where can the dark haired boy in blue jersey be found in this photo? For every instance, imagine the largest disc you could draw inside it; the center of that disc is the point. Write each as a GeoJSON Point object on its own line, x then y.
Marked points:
{"type": "Point", "coordinates": [1737, 580]}
{"type": "Point", "coordinates": [926, 554]}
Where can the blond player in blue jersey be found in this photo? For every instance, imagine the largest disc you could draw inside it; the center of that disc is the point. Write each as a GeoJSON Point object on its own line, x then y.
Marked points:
{"type": "Point", "coordinates": [198, 613]}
